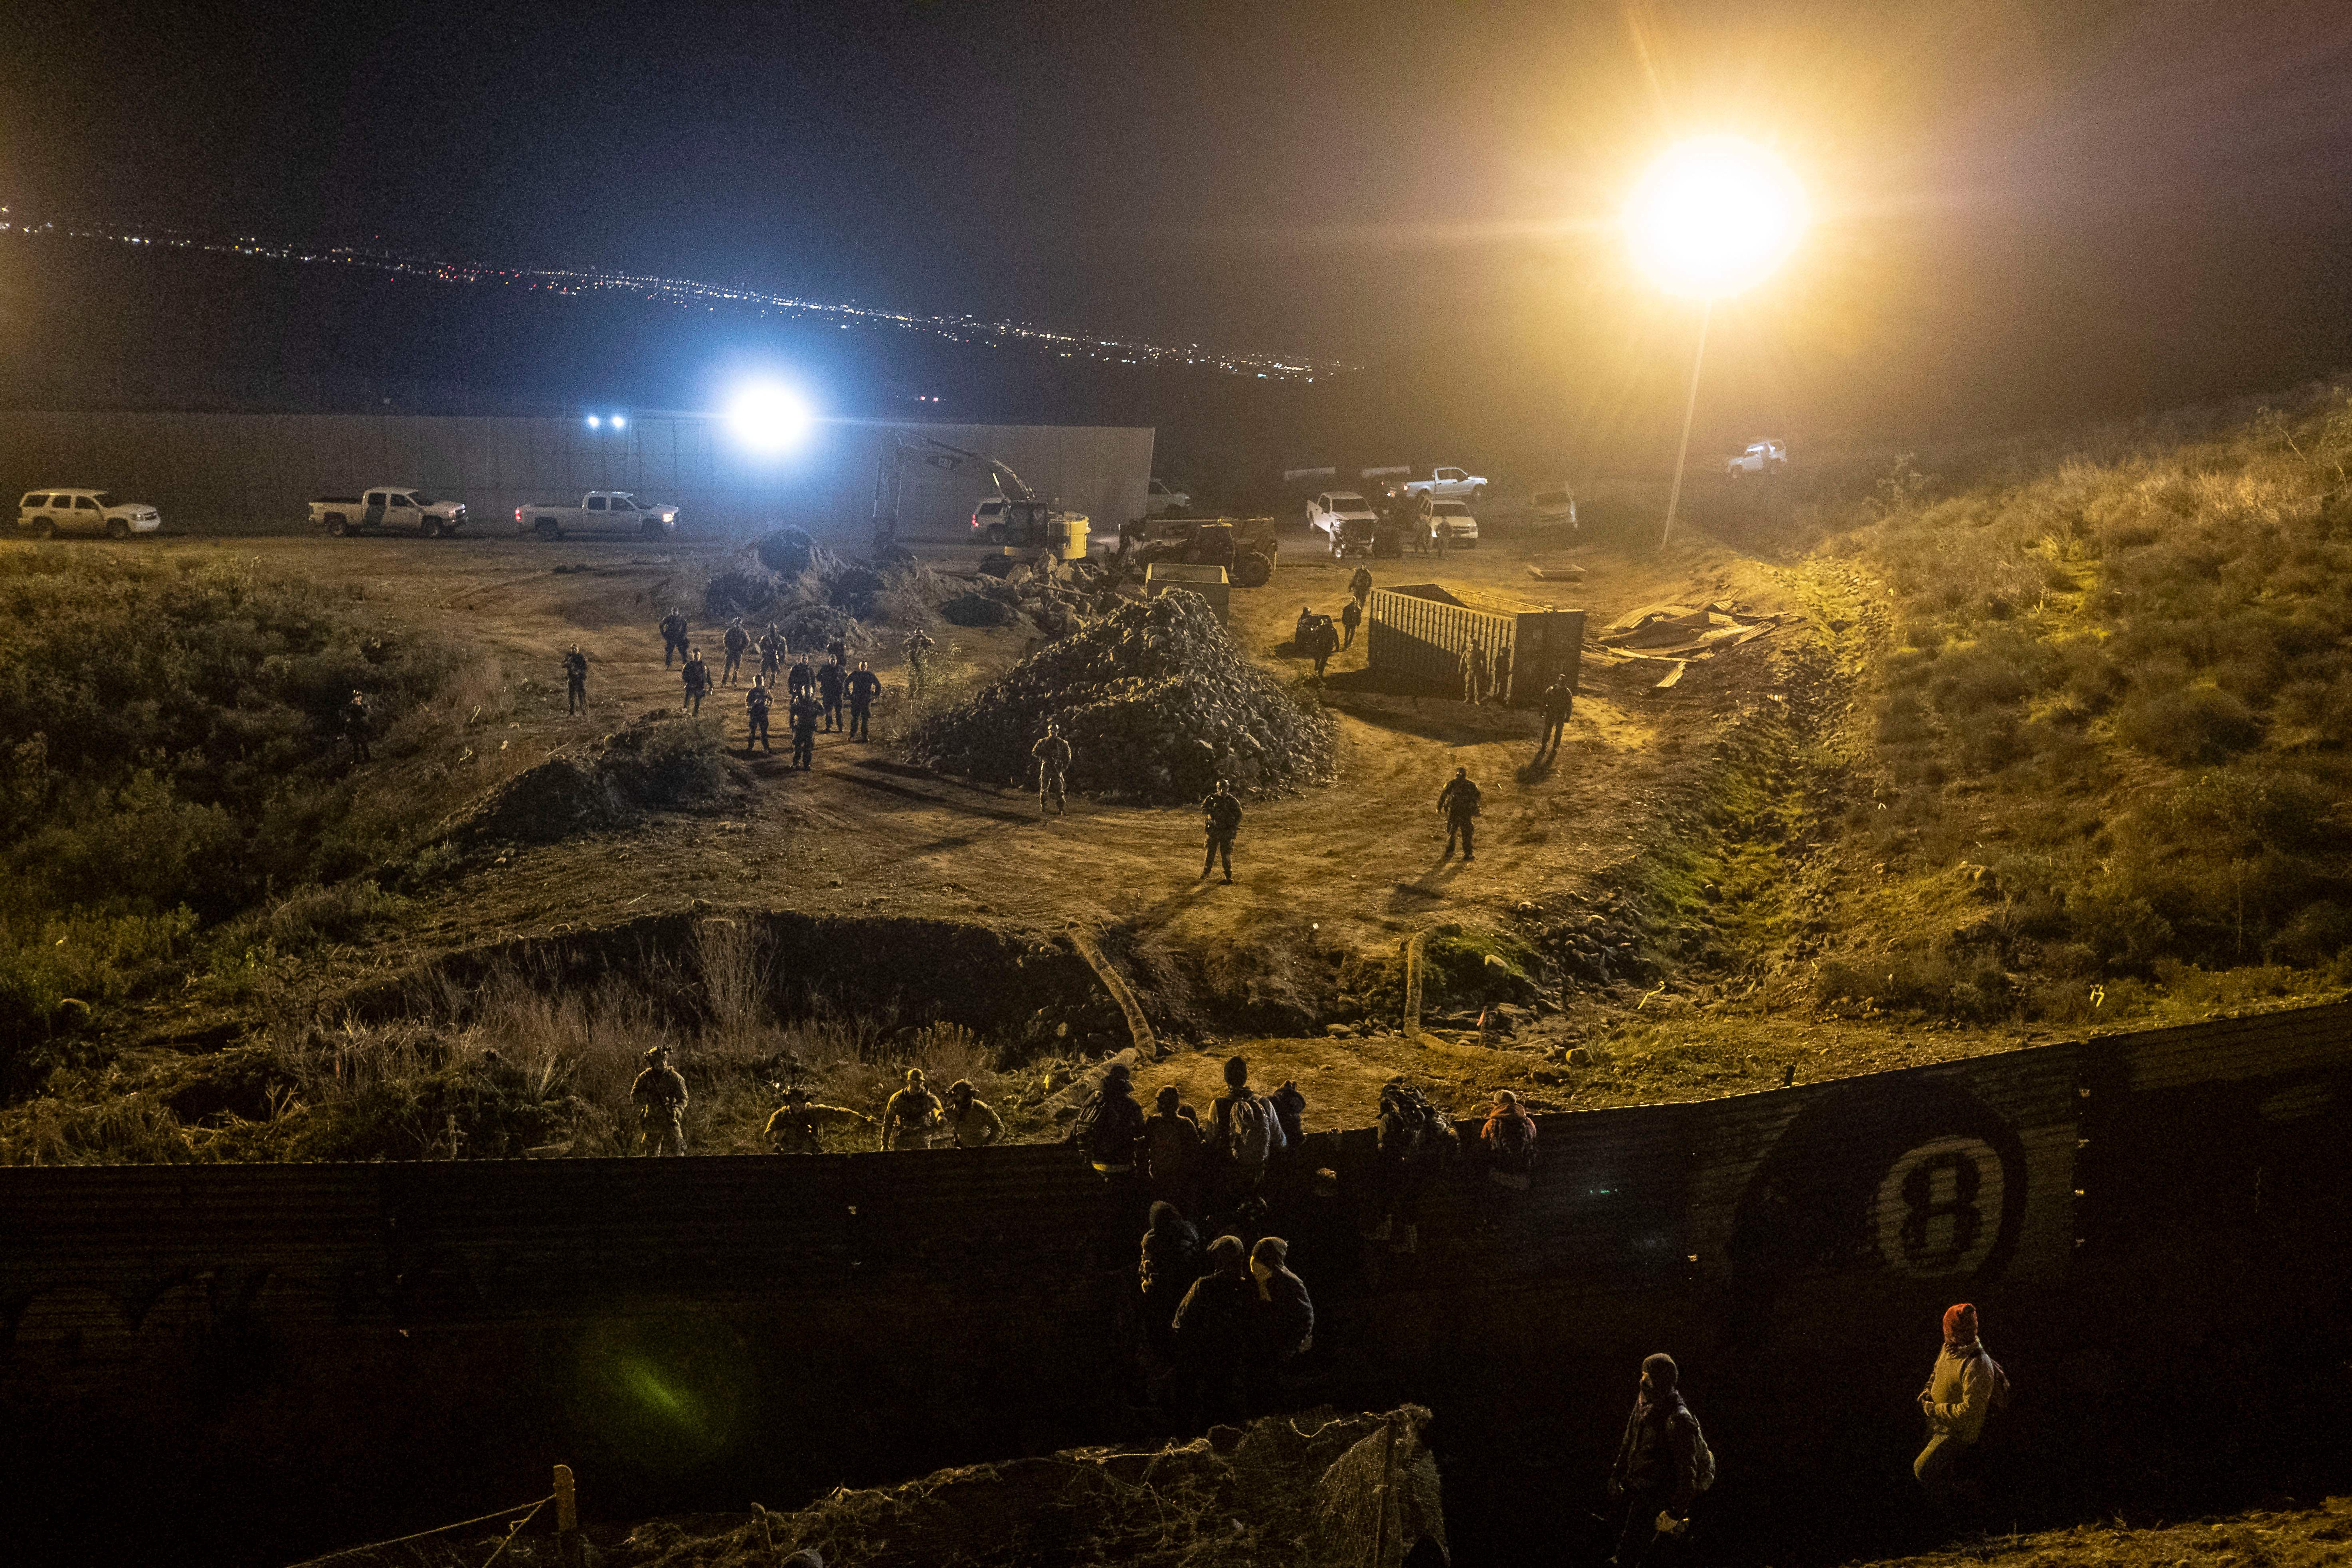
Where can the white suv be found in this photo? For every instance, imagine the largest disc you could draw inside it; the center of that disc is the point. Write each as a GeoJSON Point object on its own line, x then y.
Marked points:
{"type": "Point", "coordinates": [1160, 498]}
{"type": "Point", "coordinates": [45, 513]}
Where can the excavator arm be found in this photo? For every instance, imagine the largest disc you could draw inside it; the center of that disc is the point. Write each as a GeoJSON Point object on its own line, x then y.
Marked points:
{"type": "Point", "coordinates": [891, 471]}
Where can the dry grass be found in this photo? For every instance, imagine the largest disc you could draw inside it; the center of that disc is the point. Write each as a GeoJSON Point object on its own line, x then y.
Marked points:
{"type": "Point", "coordinates": [2320, 1536]}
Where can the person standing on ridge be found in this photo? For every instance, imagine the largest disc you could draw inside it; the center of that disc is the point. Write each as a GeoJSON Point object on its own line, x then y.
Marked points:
{"type": "Point", "coordinates": [659, 1095]}
{"type": "Point", "coordinates": [673, 632]}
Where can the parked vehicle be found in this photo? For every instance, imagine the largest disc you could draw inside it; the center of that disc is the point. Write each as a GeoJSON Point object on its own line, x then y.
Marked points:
{"type": "Point", "coordinates": [1345, 519]}
{"type": "Point", "coordinates": [1761, 458]}
{"type": "Point", "coordinates": [47, 513]}
{"type": "Point", "coordinates": [1461, 527]}
{"type": "Point", "coordinates": [1245, 546]}
{"type": "Point", "coordinates": [1019, 525]}
{"type": "Point", "coordinates": [1552, 506]}
{"type": "Point", "coordinates": [1160, 498]}
{"type": "Point", "coordinates": [395, 509]}
{"type": "Point", "coordinates": [598, 512]}
{"type": "Point", "coordinates": [1448, 484]}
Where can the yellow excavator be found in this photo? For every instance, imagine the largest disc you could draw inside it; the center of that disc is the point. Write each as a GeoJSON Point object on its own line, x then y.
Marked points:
{"type": "Point", "coordinates": [1016, 520]}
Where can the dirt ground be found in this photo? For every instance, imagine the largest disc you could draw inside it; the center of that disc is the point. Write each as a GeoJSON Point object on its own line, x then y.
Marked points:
{"type": "Point", "coordinates": [1350, 870]}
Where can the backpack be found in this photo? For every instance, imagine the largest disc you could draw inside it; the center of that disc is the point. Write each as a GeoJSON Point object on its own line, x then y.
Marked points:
{"type": "Point", "coordinates": [1999, 1400]}
{"type": "Point", "coordinates": [1257, 1132]}
{"type": "Point", "coordinates": [1110, 1140]}
{"type": "Point", "coordinates": [1515, 1146]}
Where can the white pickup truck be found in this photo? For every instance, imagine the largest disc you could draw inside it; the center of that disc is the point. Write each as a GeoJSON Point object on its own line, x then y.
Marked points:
{"type": "Point", "coordinates": [598, 511]}
{"type": "Point", "coordinates": [1447, 484]}
{"type": "Point", "coordinates": [392, 509]}
{"type": "Point", "coordinates": [1345, 519]}
{"type": "Point", "coordinates": [1764, 458]}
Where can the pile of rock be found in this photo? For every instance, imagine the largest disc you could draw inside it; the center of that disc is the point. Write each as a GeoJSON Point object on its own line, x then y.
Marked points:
{"type": "Point", "coordinates": [1058, 597]}
{"type": "Point", "coordinates": [786, 576]}
{"type": "Point", "coordinates": [1157, 704]}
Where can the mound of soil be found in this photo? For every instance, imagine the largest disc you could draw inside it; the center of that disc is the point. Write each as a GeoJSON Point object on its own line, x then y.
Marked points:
{"type": "Point", "coordinates": [660, 762]}
{"type": "Point", "coordinates": [1314, 1490]}
{"type": "Point", "coordinates": [1157, 704]}
{"type": "Point", "coordinates": [787, 573]}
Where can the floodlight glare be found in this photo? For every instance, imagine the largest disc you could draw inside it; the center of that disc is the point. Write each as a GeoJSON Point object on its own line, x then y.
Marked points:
{"type": "Point", "coordinates": [619, 423]}
{"type": "Point", "coordinates": [767, 417]}
{"type": "Point", "coordinates": [594, 422]}
{"type": "Point", "coordinates": [1713, 216]}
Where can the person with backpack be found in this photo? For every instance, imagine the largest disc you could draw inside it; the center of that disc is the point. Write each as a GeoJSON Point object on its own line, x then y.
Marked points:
{"type": "Point", "coordinates": [1662, 1463]}
{"type": "Point", "coordinates": [1110, 1128]}
{"type": "Point", "coordinates": [1509, 1140]}
{"type": "Point", "coordinates": [1172, 1151]}
{"type": "Point", "coordinates": [1964, 1387]}
{"type": "Point", "coordinates": [756, 702]}
{"type": "Point", "coordinates": [1245, 1128]}
{"type": "Point", "coordinates": [1290, 1107]}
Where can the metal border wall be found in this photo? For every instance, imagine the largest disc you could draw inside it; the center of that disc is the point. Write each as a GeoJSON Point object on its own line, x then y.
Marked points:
{"type": "Point", "coordinates": [238, 471]}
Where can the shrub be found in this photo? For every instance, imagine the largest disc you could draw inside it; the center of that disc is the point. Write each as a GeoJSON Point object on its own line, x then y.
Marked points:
{"type": "Point", "coordinates": [2197, 724]}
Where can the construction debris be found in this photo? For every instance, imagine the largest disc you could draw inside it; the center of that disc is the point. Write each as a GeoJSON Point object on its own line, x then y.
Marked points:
{"type": "Point", "coordinates": [1157, 704]}
{"type": "Point", "coordinates": [1651, 647]}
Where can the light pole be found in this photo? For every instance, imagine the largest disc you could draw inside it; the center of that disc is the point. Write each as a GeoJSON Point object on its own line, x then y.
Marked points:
{"type": "Point", "coordinates": [1713, 215]}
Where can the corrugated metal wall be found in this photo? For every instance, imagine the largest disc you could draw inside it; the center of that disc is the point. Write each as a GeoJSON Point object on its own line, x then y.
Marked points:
{"type": "Point", "coordinates": [245, 1321]}
{"type": "Point", "coordinates": [1420, 632]}
{"type": "Point", "coordinates": [237, 469]}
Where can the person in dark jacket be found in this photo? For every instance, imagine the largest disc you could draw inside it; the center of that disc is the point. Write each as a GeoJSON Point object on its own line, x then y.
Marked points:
{"type": "Point", "coordinates": [756, 702]}
{"type": "Point", "coordinates": [863, 687]}
{"type": "Point", "coordinates": [1171, 1262]}
{"type": "Point", "coordinates": [1656, 1472]}
{"type": "Point", "coordinates": [1285, 1313]}
{"type": "Point", "coordinates": [1172, 1151]}
{"type": "Point", "coordinates": [696, 677]}
{"type": "Point", "coordinates": [1351, 615]}
{"type": "Point", "coordinates": [354, 715]}
{"type": "Point", "coordinates": [1211, 1333]}
{"type": "Point", "coordinates": [1558, 706]}
{"type": "Point", "coordinates": [831, 681]}
{"type": "Point", "coordinates": [575, 680]}
{"type": "Point", "coordinates": [1459, 801]}
{"type": "Point", "coordinates": [1110, 1129]}
{"type": "Point", "coordinates": [673, 633]}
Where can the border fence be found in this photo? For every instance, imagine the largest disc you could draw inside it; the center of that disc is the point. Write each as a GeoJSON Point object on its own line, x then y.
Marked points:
{"type": "Point", "coordinates": [215, 1326]}
{"type": "Point", "coordinates": [249, 470]}
{"type": "Point", "coordinates": [1419, 632]}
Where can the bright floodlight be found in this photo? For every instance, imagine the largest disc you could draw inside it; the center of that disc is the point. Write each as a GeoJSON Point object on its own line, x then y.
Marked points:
{"type": "Point", "coordinates": [1714, 214]}
{"type": "Point", "coordinates": [767, 417]}
{"type": "Point", "coordinates": [594, 422]}
{"type": "Point", "coordinates": [619, 423]}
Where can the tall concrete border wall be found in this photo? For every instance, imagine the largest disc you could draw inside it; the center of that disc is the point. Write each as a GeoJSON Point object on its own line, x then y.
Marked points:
{"type": "Point", "coordinates": [252, 470]}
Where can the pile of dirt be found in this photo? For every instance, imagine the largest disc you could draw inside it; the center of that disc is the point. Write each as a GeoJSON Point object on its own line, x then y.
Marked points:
{"type": "Point", "coordinates": [1157, 704]}
{"type": "Point", "coordinates": [789, 578]}
{"type": "Point", "coordinates": [1315, 1489]}
{"type": "Point", "coordinates": [1058, 597]}
{"type": "Point", "coordinates": [660, 762]}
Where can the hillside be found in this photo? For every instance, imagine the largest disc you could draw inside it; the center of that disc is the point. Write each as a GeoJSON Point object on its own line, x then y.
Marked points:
{"type": "Point", "coordinates": [2108, 709]}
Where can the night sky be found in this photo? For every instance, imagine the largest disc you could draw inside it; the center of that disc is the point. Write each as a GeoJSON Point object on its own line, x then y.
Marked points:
{"type": "Point", "coordinates": [2027, 213]}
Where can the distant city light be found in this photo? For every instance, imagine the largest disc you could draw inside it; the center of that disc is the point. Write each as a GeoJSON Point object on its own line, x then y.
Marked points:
{"type": "Point", "coordinates": [768, 417]}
